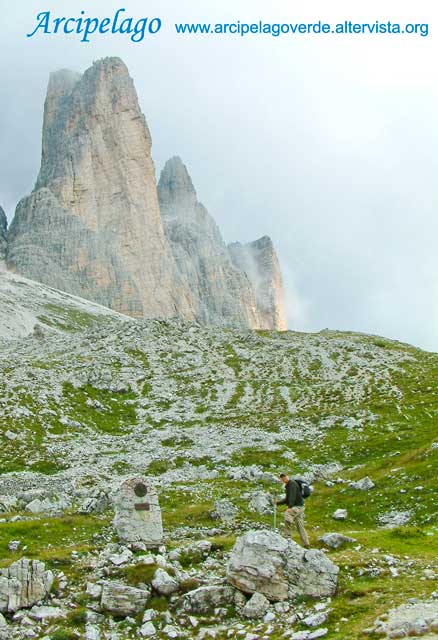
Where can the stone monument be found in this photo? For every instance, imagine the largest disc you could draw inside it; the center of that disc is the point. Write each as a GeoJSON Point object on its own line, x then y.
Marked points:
{"type": "Point", "coordinates": [137, 513]}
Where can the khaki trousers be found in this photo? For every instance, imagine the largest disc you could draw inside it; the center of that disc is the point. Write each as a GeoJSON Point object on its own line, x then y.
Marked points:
{"type": "Point", "coordinates": [295, 518]}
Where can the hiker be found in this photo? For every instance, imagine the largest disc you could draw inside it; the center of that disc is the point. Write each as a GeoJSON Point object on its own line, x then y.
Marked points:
{"type": "Point", "coordinates": [294, 514]}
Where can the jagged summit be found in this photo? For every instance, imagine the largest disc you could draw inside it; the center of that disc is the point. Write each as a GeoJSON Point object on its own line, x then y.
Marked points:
{"type": "Point", "coordinates": [176, 183]}
{"type": "Point", "coordinates": [97, 226]}
{"type": "Point", "coordinates": [258, 259]}
{"type": "Point", "coordinates": [222, 293]}
{"type": "Point", "coordinates": [92, 225]}
{"type": "Point", "coordinates": [178, 198]}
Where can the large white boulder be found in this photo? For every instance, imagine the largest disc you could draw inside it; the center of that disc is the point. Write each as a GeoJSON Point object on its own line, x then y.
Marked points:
{"type": "Point", "coordinates": [23, 584]}
{"type": "Point", "coordinates": [265, 562]}
{"type": "Point", "coordinates": [163, 583]}
{"type": "Point", "coordinates": [122, 600]}
{"type": "Point", "coordinates": [256, 607]}
{"type": "Point", "coordinates": [204, 600]}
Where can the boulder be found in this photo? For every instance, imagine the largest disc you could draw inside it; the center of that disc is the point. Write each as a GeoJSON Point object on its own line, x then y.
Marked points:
{"type": "Point", "coordinates": [395, 518]}
{"type": "Point", "coordinates": [48, 506]}
{"type": "Point", "coordinates": [171, 631]}
{"type": "Point", "coordinates": [8, 503]}
{"type": "Point", "coordinates": [94, 504]}
{"type": "Point", "coordinates": [265, 562]}
{"type": "Point", "coordinates": [315, 619]}
{"type": "Point", "coordinates": [225, 510]}
{"type": "Point", "coordinates": [340, 514]}
{"type": "Point", "coordinates": [365, 484]}
{"type": "Point", "coordinates": [122, 600]}
{"type": "Point", "coordinates": [163, 583]}
{"type": "Point", "coordinates": [23, 584]}
{"type": "Point", "coordinates": [261, 502]}
{"type": "Point", "coordinates": [256, 607]}
{"type": "Point", "coordinates": [92, 632]}
{"type": "Point", "coordinates": [335, 540]}
{"type": "Point", "coordinates": [94, 591]}
{"type": "Point", "coordinates": [123, 557]}
{"type": "Point", "coordinates": [147, 630]}
{"type": "Point", "coordinates": [46, 613]}
{"type": "Point", "coordinates": [204, 600]}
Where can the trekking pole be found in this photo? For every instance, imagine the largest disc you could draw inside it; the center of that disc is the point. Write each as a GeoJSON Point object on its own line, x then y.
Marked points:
{"type": "Point", "coordinates": [274, 500]}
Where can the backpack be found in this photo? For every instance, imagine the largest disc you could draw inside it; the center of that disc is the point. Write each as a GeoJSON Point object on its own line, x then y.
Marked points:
{"type": "Point", "coordinates": [306, 489]}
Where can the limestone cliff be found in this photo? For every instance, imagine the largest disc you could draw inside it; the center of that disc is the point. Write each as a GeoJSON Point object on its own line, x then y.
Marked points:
{"type": "Point", "coordinates": [93, 227]}
{"type": "Point", "coordinates": [259, 261]}
{"type": "Point", "coordinates": [222, 293]}
{"type": "Point", "coordinates": [3, 232]}
{"type": "Point", "coordinates": [92, 224]}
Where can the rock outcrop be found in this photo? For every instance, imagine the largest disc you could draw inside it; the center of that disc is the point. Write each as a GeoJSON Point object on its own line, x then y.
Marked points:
{"type": "Point", "coordinates": [203, 600]}
{"type": "Point", "coordinates": [413, 619]}
{"type": "Point", "coordinates": [123, 600]}
{"type": "Point", "coordinates": [222, 293]}
{"type": "Point", "coordinates": [23, 584]}
{"type": "Point", "coordinates": [3, 232]}
{"type": "Point", "coordinates": [259, 261]}
{"type": "Point", "coordinates": [265, 562]}
{"type": "Point", "coordinates": [93, 227]}
{"type": "Point", "coordinates": [92, 224]}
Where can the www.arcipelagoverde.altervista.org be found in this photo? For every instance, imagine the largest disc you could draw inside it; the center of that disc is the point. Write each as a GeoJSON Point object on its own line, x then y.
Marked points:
{"type": "Point", "coordinates": [87, 27]}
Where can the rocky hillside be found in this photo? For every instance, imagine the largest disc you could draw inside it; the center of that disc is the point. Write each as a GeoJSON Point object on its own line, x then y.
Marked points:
{"type": "Point", "coordinates": [92, 226]}
{"type": "Point", "coordinates": [89, 398]}
{"type": "Point", "coordinates": [27, 308]}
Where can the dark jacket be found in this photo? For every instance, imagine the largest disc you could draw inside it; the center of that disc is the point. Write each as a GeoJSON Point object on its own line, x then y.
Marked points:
{"type": "Point", "coordinates": [293, 496]}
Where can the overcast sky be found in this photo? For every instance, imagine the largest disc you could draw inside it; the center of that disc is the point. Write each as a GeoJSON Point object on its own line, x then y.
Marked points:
{"type": "Point", "coordinates": [327, 144]}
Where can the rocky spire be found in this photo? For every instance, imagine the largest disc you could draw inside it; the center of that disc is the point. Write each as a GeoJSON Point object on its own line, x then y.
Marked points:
{"type": "Point", "coordinates": [3, 232]}
{"type": "Point", "coordinates": [222, 293]}
{"type": "Point", "coordinates": [92, 224]}
{"type": "Point", "coordinates": [259, 261]}
{"type": "Point", "coordinates": [93, 227]}
{"type": "Point", "coordinates": [176, 191]}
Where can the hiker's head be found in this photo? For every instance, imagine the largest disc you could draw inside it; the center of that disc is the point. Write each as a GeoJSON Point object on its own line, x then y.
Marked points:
{"type": "Point", "coordinates": [284, 478]}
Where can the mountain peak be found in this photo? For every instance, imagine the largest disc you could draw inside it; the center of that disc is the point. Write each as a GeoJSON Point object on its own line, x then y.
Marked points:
{"type": "Point", "coordinates": [92, 224]}
{"type": "Point", "coordinates": [96, 224]}
{"type": "Point", "coordinates": [258, 259]}
{"type": "Point", "coordinates": [175, 187]}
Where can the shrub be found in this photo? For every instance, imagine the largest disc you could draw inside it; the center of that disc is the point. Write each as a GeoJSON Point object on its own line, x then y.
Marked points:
{"type": "Point", "coordinates": [63, 634]}
{"type": "Point", "coordinates": [190, 584]}
{"type": "Point", "coordinates": [140, 573]}
{"type": "Point", "coordinates": [158, 603]}
{"type": "Point", "coordinates": [77, 616]}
